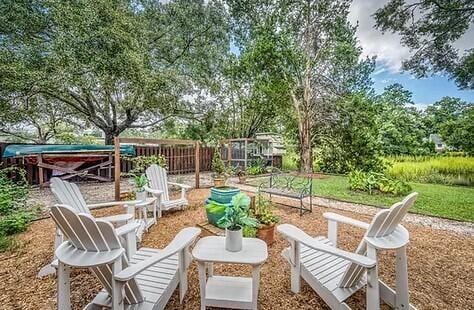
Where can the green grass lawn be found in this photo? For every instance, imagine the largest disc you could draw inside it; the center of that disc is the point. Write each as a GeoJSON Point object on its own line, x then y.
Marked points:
{"type": "Point", "coordinates": [452, 202]}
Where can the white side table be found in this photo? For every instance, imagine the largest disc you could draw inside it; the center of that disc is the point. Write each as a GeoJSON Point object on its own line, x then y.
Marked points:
{"type": "Point", "coordinates": [226, 291]}
{"type": "Point", "coordinates": [141, 208]}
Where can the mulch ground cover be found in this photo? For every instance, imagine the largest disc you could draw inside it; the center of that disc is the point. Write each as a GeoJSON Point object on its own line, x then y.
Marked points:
{"type": "Point", "coordinates": [441, 265]}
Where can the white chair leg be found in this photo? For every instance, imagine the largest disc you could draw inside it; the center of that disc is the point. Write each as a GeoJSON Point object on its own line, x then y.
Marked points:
{"type": "Point", "coordinates": [117, 298]}
{"type": "Point", "coordinates": [183, 277]}
{"type": "Point", "coordinates": [295, 267]}
{"type": "Point", "coordinates": [202, 283]}
{"type": "Point", "coordinates": [373, 293]}
{"type": "Point", "coordinates": [64, 290]}
{"type": "Point", "coordinates": [255, 285]}
{"type": "Point", "coordinates": [401, 276]}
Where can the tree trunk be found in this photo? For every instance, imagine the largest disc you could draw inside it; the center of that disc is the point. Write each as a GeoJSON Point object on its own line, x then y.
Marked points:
{"type": "Point", "coordinates": [109, 138]}
{"type": "Point", "coordinates": [306, 151]}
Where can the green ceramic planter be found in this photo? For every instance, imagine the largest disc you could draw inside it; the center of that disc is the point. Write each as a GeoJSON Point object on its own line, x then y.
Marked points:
{"type": "Point", "coordinates": [223, 194]}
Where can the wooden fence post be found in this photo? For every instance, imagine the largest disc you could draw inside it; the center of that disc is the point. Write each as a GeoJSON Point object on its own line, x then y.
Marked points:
{"type": "Point", "coordinates": [40, 170]}
{"type": "Point", "coordinates": [117, 167]}
{"type": "Point", "coordinates": [197, 163]}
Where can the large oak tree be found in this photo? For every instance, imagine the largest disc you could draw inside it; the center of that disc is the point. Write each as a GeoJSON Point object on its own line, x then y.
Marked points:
{"type": "Point", "coordinates": [117, 64]}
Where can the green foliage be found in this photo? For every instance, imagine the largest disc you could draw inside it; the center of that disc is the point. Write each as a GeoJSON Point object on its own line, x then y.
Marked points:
{"type": "Point", "coordinates": [401, 125]}
{"type": "Point", "coordinates": [238, 215]}
{"type": "Point", "coordinates": [351, 143]}
{"type": "Point", "coordinates": [117, 64]}
{"type": "Point", "coordinates": [15, 222]}
{"type": "Point", "coordinates": [141, 163]}
{"type": "Point", "coordinates": [256, 167]}
{"type": "Point", "coordinates": [215, 207]}
{"type": "Point", "coordinates": [217, 164]}
{"type": "Point", "coordinates": [14, 190]}
{"type": "Point", "coordinates": [374, 181]}
{"type": "Point", "coordinates": [430, 29]}
{"type": "Point", "coordinates": [14, 212]}
{"type": "Point", "coordinates": [140, 181]}
{"type": "Point", "coordinates": [249, 231]}
{"type": "Point", "coordinates": [433, 169]}
{"type": "Point", "coordinates": [263, 211]}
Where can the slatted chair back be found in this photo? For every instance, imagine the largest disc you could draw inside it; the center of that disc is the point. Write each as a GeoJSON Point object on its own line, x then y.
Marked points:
{"type": "Point", "coordinates": [383, 224]}
{"type": "Point", "coordinates": [90, 235]}
{"type": "Point", "coordinates": [68, 194]}
{"type": "Point", "coordinates": [158, 179]}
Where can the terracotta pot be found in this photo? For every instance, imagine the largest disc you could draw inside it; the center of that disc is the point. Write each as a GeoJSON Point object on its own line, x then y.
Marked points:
{"type": "Point", "coordinates": [242, 179]}
{"type": "Point", "coordinates": [219, 182]}
{"type": "Point", "coordinates": [266, 233]}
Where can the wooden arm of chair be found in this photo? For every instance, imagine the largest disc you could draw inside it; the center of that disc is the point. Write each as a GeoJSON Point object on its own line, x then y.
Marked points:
{"type": "Point", "coordinates": [334, 219]}
{"type": "Point", "coordinates": [185, 186]}
{"type": "Point", "coordinates": [127, 228]}
{"type": "Point", "coordinates": [112, 204]}
{"type": "Point", "coordinates": [155, 192]}
{"type": "Point", "coordinates": [182, 240]}
{"type": "Point", "coordinates": [294, 233]}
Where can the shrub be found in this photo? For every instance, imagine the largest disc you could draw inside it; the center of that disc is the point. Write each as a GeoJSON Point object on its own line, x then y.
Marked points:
{"type": "Point", "coordinates": [7, 243]}
{"type": "Point", "coordinates": [256, 167]}
{"type": "Point", "coordinates": [13, 193]}
{"type": "Point", "coordinates": [15, 222]}
{"type": "Point", "coordinates": [375, 181]}
{"type": "Point", "coordinates": [217, 164]}
{"type": "Point", "coordinates": [140, 163]}
{"type": "Point", "coordinates": [249, 232]}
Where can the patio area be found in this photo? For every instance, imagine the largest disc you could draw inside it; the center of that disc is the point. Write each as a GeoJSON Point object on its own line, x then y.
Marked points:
{"type": "Point", "coordinates": [440, 263]}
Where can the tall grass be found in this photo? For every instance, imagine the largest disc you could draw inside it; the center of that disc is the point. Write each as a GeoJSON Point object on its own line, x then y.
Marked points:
{"type": "Point", "coordinates": [433, 169]}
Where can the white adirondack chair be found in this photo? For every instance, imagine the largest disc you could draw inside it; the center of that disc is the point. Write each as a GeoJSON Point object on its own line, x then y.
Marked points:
{"type": "Point", "coordinates": [336, 274]}
{"type": "Point", "coordinates": [69, 194]}
{"type": "Point", "coordinates": [158, 186]}
{"type": "Point", "coordinates": [146, 281]}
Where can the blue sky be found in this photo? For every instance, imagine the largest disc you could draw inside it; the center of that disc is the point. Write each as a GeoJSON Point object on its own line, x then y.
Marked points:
{"type": "Point", "coordinates": [390, 54]}
{"type": "Point", "coordinates": [425, 91]}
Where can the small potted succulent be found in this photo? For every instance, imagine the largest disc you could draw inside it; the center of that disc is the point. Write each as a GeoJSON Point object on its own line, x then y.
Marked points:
{"type": "Point", "coordinates": [140, 181]}
{"type": "Point", "coordinates": [263, 213]}
{"type": "Point", "coordinates": [219, 169]}
{"type": "Point", "coordinates": [234, 219]}
{"type": "Point", "coordinates": [241, 173]}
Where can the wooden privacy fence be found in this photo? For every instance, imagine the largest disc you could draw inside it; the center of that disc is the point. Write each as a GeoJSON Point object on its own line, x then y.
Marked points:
{"type": "Point", "coordinates": [180, 159]}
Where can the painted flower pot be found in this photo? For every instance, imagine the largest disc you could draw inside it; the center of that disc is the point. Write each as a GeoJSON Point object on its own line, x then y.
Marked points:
{"type": "Point", "coordinates": [216, 212]}
{"type": "Point", "coordinates": [223, 194]}
{"type": "Point", "coordinates": [233, 240]}
{"type": "Point", "coordinates": [140, 195]}
{"type": "Point", "coordinates": [266, 233]}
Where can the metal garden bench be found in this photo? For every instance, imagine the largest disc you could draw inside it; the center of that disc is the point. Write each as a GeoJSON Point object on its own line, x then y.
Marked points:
{"type": "Point", "coordinates": [289, 185]}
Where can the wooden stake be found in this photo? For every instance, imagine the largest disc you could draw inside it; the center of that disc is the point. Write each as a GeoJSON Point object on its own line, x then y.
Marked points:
{"type": "Point", "coordinates": [196, 162]}
{"type": "Point", "coordinates": [117, 167]}
{"type": "Point", "coordinates": [40, 170]}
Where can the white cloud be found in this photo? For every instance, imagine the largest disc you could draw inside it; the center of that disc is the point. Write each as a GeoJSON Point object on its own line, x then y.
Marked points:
{"type": "Point", "coordinates": [386, 47]}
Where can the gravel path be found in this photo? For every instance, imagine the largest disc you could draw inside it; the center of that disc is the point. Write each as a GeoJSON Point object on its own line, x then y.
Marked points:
{"type": "Point", "coordinates": [458, 227]}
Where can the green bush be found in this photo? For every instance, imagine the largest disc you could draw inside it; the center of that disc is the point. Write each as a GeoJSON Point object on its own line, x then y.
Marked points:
{"type": "Point", "coordinates": [15, 222]}
{"type": "Point", "coordinates": [15, 215]}
{"type": "Point", "coordinates": [256, 167]}
{"type": "Point", "coordinates": [249, 232]}
{"type": "Point", "coordinates": [375, 181]}
{"type": "Point", "coordinates": [141, 163]}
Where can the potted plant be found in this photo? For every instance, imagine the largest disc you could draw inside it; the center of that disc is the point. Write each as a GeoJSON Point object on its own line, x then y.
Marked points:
{"type": "Point", "coordinates": [263, 213]}
{"type": "Point", "coordinates": [219, 169]}
{"type": "Point", "coordinates": [140, 181]}
{"type": "Point", "coordinates": [241, 173]}
{"type": "Point", "coordinates": [234, 219]}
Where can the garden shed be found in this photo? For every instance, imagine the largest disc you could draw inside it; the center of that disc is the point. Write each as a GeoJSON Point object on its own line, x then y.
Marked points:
{"type": "Point", "coordinates": [243, 151]}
